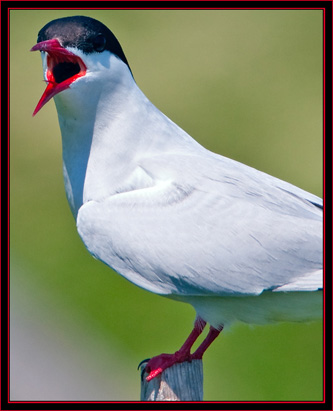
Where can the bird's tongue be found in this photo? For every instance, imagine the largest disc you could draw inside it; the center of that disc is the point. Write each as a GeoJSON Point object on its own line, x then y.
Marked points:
{"type": "Point", "coordinates": [63, 67]}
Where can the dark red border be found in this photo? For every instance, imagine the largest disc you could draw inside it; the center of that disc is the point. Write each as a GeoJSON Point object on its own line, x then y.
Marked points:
{"type": "Point", "coordinates": [162, 405]}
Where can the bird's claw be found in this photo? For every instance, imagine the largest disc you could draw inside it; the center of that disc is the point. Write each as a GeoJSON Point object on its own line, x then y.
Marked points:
{"type": "Point", "coordinates": [158, 364]}
{"type": "Point", "coordinates": [142, 362]}
{"type": "Point", "coordinates": [143, 370]}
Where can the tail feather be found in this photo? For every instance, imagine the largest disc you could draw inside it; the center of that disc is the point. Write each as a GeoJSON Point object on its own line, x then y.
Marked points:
{"type": "Point", "coordinates": [310, 282]}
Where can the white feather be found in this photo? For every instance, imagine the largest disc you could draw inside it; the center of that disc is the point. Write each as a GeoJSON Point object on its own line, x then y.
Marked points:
{"type": "Point", "coordinates": [178, 220]}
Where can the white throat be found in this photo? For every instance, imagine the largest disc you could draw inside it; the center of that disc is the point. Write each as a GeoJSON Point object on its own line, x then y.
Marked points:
{"type": "Point", "coordinates": [108, 126]}
{"type": "Point", "coordinates": [86, 113]}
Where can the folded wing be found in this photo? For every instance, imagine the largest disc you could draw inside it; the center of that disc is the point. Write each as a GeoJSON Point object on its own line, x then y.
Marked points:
{"type": "Point", "coordinates": [209, 226]}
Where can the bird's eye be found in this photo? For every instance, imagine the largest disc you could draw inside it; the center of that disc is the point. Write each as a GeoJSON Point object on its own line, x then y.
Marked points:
{"type": "Point", "coordinates": [99, 43]}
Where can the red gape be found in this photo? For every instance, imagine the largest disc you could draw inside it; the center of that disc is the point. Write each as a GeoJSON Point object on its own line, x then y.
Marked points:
{"type": "Point", "coordinates": [158, 364]}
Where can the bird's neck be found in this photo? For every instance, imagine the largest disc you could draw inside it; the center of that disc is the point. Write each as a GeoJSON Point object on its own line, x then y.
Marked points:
{"type": "Point", "coordinates": [97, 126]}
{"type": "Point", "coordinates": [105, 137]}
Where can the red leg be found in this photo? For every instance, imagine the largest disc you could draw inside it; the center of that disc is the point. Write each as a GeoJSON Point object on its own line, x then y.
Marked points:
{"type": "Point", "coordinates": [158, 364]}
{"type": "Point", "coordinates": [212, 334]}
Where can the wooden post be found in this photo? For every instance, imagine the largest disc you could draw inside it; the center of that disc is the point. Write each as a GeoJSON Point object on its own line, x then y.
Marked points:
{"type": "Point", "coordinates": [181, 382]}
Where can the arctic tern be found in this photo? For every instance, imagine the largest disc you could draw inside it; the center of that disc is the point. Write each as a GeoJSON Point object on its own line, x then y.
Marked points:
{"type": "Point", "coordinates": [166, 213]}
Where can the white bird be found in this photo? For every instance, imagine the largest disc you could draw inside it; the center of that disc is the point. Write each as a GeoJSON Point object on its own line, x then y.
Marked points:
{"type": "Point", "coordinates": [166, 213]}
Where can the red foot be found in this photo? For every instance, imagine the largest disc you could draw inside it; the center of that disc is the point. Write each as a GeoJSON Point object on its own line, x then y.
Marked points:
{"type": "Point", "coordinates": [158, 364]}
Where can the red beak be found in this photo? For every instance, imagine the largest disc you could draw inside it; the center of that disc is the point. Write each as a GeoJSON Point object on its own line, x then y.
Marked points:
{"type": "Point", "coordinates": [63, 68]}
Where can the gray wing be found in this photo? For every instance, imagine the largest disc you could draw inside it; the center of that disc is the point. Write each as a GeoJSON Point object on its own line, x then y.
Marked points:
{"type": "Point", "coordinates": [207, 226]}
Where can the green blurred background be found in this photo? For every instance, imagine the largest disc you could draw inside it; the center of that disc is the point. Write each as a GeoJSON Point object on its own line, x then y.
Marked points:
{"type": "Point", "coordinates": [246, 84]}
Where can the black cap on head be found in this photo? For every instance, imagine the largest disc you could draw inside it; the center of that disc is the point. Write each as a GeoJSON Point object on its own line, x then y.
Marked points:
{"type": "Point", "coordinates": [85, 33]}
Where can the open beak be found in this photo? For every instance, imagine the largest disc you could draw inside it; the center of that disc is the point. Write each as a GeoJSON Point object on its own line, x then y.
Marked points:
{"type": "Point", "coordinates": [63, 68]}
